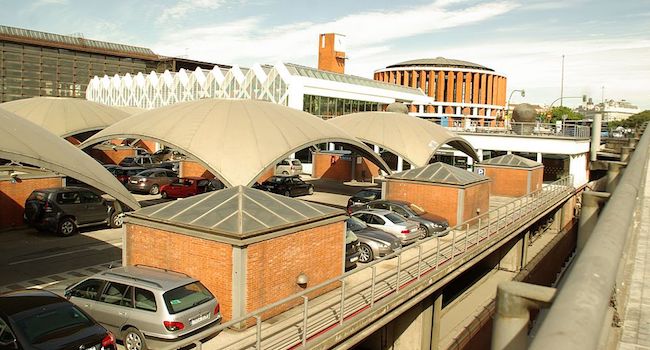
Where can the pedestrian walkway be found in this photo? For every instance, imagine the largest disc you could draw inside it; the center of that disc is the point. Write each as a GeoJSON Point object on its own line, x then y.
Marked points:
{"type": "Point", "coordinates": [635, 325]}
{"type": "Point", "coordinates": [59, 281]}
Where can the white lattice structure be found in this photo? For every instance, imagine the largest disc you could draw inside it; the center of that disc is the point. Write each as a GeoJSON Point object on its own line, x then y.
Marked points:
{"type": "Point", "coordinates": [284, 84]}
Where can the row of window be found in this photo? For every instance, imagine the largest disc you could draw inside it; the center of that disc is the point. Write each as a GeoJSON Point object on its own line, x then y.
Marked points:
{"type": "Point", "coordinates": [328, 107]}
{"type": "Point", "coordinates": [116, 294]}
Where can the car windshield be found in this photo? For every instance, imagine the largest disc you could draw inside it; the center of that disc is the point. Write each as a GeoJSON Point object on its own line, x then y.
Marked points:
{"type": "Point", "coordinates": [396, 219]}
{"type": "Point", "coordinates": [417, 209]}
{"type": "Point", "coordinates": [40, 325]}
{"type": "Point", "coordinates": [356, 224]}
{"type": "Point", "coordinates": [186, 297]}
{"type": "Point", "coordinates": [145, 173]}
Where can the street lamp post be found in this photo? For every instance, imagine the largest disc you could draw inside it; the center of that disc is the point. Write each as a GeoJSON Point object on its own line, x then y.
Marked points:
{"type": "Point", "coordinates": [523, 94]}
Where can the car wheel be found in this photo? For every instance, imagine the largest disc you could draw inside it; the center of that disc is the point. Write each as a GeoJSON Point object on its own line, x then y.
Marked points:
{"type": "Point", "coordinates": [154, 189]}
{"type": "Point", "coordinates": [287, 193]}
{"type": "Point", "coordinates": [133, 340]}
{"type": "Point", "coordinates": [164, 194]}
{"type": "Point", "coordinates": [117, 219]}
{"type": "Point", "coordinates": [67, 227]}
{"type": "Point", "coordinates": [425, 232]}
{"type": "Point", "coordinates": [365, 253]}
{"type": "Point", "coordinates": [311, 190]}
{"type": "Point", "coordinates": [285, 173]}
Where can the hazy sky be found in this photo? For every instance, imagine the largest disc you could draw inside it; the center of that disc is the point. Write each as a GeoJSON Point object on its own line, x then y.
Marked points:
{"type": "Point", "coordinates": [605, 43]}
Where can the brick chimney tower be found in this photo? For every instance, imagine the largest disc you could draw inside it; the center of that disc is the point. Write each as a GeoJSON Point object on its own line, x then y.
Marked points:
{"type": "Point", "coordinates": [331, 53]}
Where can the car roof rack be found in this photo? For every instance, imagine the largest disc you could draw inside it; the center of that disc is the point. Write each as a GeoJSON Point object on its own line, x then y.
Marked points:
{"type": "Point", "coordinates": [111, 273]}
{"type": "Point", "coordinates": [162, 269]}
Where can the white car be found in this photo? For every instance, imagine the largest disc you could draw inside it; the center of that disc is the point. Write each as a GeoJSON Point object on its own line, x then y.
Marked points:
{"type": "Point", "coordinates": [288, 166]}
{"type": "Point", "coordinates": [407, 231]}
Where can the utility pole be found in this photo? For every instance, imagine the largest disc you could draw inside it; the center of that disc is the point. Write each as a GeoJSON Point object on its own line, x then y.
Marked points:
{"type": "Point", "coordinates": [562, 82]}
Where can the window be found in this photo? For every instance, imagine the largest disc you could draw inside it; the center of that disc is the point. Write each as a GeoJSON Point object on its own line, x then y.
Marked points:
{"type": "Point", "coordinates": [144, 300]}
{"type": "Point", "coordinates": [68, 198]}
{"type": "Point", "coordinates": [186, 297]}
{"type": "Point", "coordinates": [117, 294]}
{"type": "Point", "coordinates": [374, 219]}
{"type": "Point", "coordinates": [88, 289]}
{"type": "Point", "coordinates": [89, 197]}
{"type": "Point", "coordinates": [379, 206]}
{"type": "Point", "coordinates": [395, 218]}
{"type": "Point", "coordinates": [39, 326]}
{"type": "Point", "coordinates": [399, 210]}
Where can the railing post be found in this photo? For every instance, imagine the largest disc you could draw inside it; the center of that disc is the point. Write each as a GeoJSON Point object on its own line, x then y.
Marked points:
{"type": "Point", "coordinates": [258, 332]}
{"type": "Point", "coordinates": [478, 232]}
{"type": "Point", "coordinates": [342, 311]}
{"type": "Point", "coordinates": [437, 251]}
{"type": "Point", "coordinates": [496, 232]}
{"type": "Point", "coordinates": [466, 237]}
{"type": "Point", "coordinates": [419, 260]}
{"type": "Point", "coordinates": [372, 288]}
{"type": "Point", "coordinates": [453, 245]}
{"type": "Point", "coordinates": [399, 270]}
{"type": "Point", "coordinates": [305, 311]}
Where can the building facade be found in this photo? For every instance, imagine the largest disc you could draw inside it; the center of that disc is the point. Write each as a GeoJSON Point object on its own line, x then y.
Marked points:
{"type": "Point", "coordinates": [34, 63]}
{"type": "Point", "coordinates": [460, 89]}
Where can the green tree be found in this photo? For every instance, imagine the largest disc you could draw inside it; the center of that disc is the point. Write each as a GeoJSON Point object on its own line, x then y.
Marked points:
{"type": "Point", "coordinates": [633, 121]}
{"type": "Point", "coordinates": [557, 113]}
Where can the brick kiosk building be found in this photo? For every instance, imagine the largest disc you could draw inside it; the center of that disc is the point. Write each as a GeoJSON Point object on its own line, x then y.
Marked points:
{"type": "Point", "coordinates": [513, 175]}
{"type": "Point", "coordinates": [16, 184]}
{"type": "Point", "coordinates": [452, 193]}
{"type": "Point", "coordinates": [246, 260]}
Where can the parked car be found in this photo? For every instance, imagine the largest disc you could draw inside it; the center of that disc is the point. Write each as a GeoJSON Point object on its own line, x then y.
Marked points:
{"type": "Point", "coordinates": [123, 173]}
{"type": "Point", "coordinates": [189, 186]}
{"type": "Point", "coordinates": [362, 197]}
{"type": "Point", "coordinates": [433, 224]}
{"type": "Point", "coordinates": [287, 185]}
{"type": "Point", "coordinates": [351, 250]}
{"type": "Point", "coordinates": [288, 166]}
{"type": "Point", "coordinates": [151, 180]}
{"type": "Point", "coordinates": [405, 230]}
{"type": "Point", "coordinates": [167, 154]}
{"type": "Point", "coordinates": [65, 209]}
{"type": "Point", "coordinates": [37, 319]}
{"type": "Point", "coordinates": [147, 307]}
{"type": "Point", "coordinates": [146, 162]}
{"type": "Point", "coordinates": [373, 243]}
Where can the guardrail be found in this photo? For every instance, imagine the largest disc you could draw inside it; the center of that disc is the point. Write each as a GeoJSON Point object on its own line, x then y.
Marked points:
{"type": "Point", "coordinates": [418, 261]}
{"type": "Point", "coordinates": [578, 315]}
{"type": "Point", "coordinates": [567, 130]}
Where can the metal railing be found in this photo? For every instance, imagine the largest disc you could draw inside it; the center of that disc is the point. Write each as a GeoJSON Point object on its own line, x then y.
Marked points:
{"type": "Point", "coordinates": [566, 130]}
{"type": "Point", "coordinates": [386, 277]}
{"type": "Point", "coordinates": [579, 313]}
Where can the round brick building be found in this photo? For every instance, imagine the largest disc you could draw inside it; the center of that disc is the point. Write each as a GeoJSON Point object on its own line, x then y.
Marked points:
{"type": "Point", "coordinates": [460, 89]}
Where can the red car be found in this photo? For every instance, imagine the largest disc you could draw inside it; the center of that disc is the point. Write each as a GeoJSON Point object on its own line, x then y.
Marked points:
{"type": "Point", "coordinates": [189, 186]}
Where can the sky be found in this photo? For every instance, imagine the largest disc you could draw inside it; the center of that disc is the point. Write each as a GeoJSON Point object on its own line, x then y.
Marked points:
{"type": "Point", "coordinates": [605, 44]}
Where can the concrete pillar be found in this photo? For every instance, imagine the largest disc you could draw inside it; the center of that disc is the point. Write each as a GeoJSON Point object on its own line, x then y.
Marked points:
{"type": "Point", "coordinates": [436, 319]}
{"type": "Point", "coordinates": [292, 156]}
{"type": "Point", "coordinates": [512, 260]}
{"type": "Point", "coordinates": [614, 173]}
{"type": "Point", "coordinates": [632, 142]}
{"type": "Point", "coordinates": [539, 157]}
{"type": "Point", "coordinates": [330, 146]}
{"type": "Point", "coordinates": [376, 149]}
{"type": "Point", "coordinates": [591, 203]}
{"type": "Point", "coordinates": [439, 109]}
{"type": "Point", "coordinates": [480, 155]}
{"type": "Point", "coordinates": [524, 248]}
{"type": "Point", "coordinates": [595, 136]}
{"type": "Point", "coordinates": [509, 152]}
{"type": "Point", "coordinates": [626, 152]}
{"type": "Point", "coordinates": [400, 163]}
{"type": "Point", "coordinates": [458, 110]}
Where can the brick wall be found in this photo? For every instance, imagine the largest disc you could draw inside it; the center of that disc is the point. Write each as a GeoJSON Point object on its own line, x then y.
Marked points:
{"type": "Point", "coordinates": [332, 166]}
{"type": "Point", "coordinates": [112, 156]}
{"type": "Point", "coordinates": [189, 168]}
{"type": "Point", "coordinates": [273, 265]}
{"type": "Point", "coordinates": [439, 200]}
{"type": "Point", "coordinates": [513, 182]}
{"type": "Point", "coordinates": [476, 197]}
{"type": "Point", "coordinates": [13, 196]}
{"type": "Point", "coordinates": [206, 260]}
{"type": "Point", "coordinates": [150, 146]}
{"type": "Point", "coordinates": [266, 175]}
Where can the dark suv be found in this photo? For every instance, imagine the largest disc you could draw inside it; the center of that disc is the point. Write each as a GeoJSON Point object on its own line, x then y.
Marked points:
{"type": "Point", "coordinates": [64, 209]}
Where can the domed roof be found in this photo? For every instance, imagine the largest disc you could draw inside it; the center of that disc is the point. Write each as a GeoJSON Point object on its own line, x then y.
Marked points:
{"type": "Point", "coordinates": [440, 62]}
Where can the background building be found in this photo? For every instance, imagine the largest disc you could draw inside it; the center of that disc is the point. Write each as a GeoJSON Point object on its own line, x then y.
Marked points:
{"type": "Point", "coordinates": [460, 89]}
{"type": "Point", "coordinates": [34, 63]}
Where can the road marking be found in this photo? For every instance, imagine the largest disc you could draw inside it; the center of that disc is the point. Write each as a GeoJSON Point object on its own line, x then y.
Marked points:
{"type": "Point", "coordinates": [97, 247]}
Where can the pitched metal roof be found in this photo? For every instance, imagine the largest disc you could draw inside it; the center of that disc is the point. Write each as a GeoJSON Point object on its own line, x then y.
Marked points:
{"type": "Point", "coordinates": [310, 72]}
{"type": "Point", "coordinates": [25, 142]}
{"type": "Point", "coordinates": [65, 116]}
{"type": "Point", "coordinates": [512, 160]}
{"type": "Point", "coordinates": [80, 43]}
{"type": "Point", "coordinates": [440, 62]}
{"type": "Point", "coordinates": [236, 140]}
{"type": "Point", "coordinates": [440, 173]}
{"type": "Point", "coordinates": [412, 138]}
{"type": "Point", "coordinates": [239, 212]}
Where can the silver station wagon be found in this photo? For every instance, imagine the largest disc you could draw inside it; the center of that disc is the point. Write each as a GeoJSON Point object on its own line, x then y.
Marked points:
{"type": "Point", "coordinates": [148, 308]}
